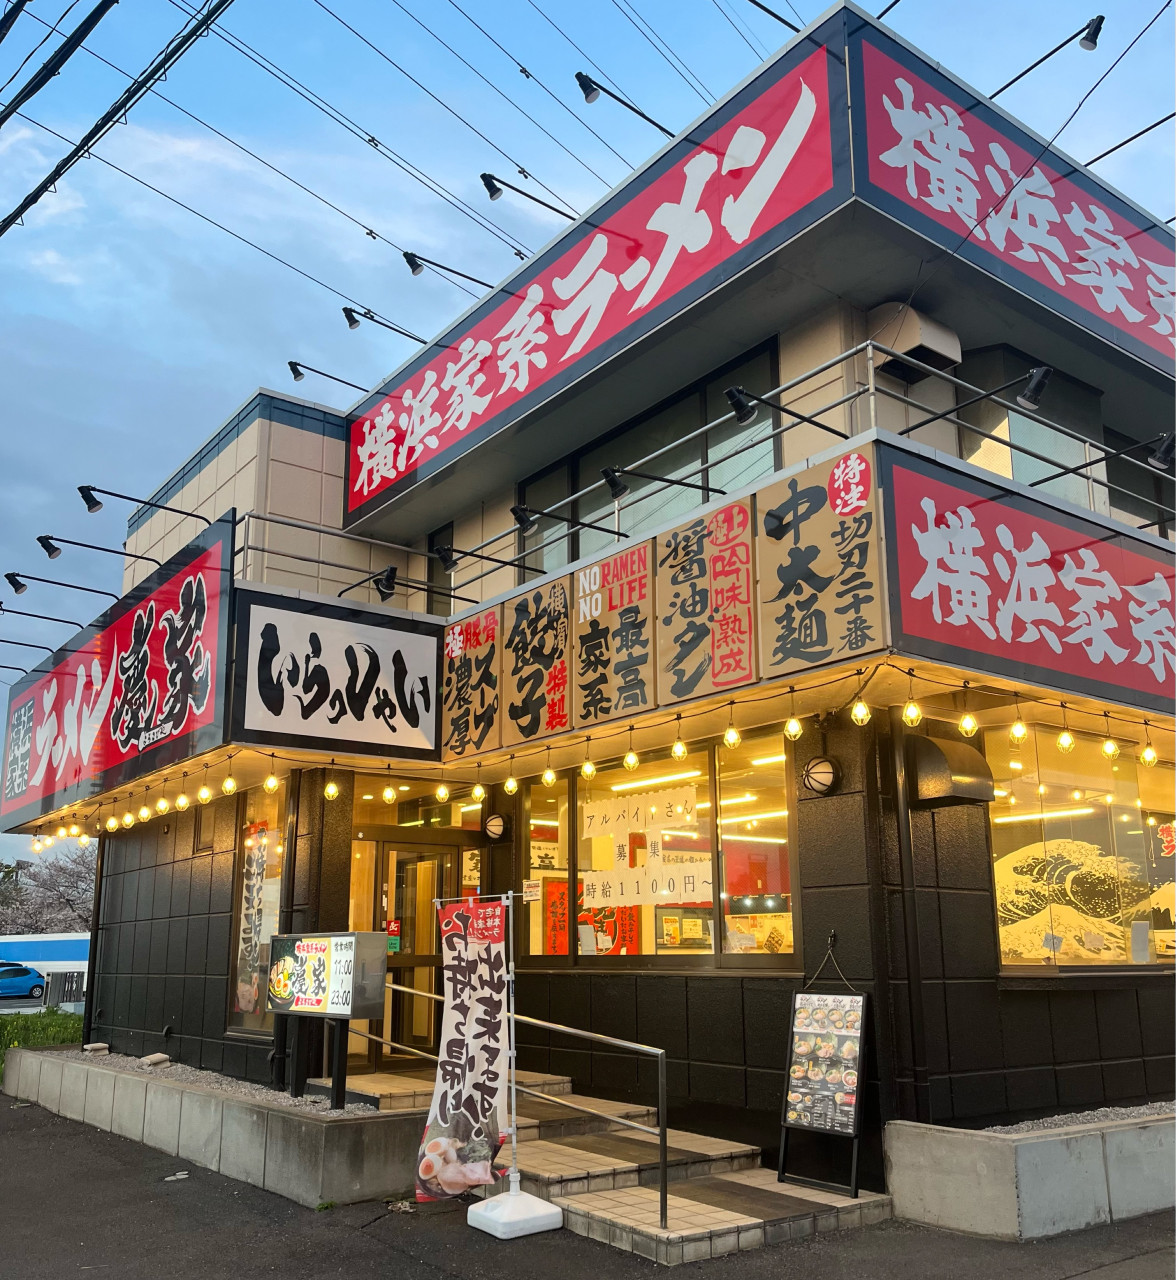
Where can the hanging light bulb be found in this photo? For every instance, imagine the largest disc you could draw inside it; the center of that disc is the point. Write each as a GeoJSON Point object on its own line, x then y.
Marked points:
{"type": "Point", "coordinates": [47, 841]}
{"type": "Point", "coordinates": [388, 795]}
{"type": "Point", "coordinates": [477, 791]}
{"type": "Point", "coordinates": [548, 778]}
{"type": "Point", "coordinates": [331, 790]}
{"type": "Point", "coordinates": [792, 726]}
{"type": "Point", "coordinates": [968, 722]}
{"type": "Point", "coordinates": [511, 785]}
{"type": "Point", "coordinates": [128, 819]}
{"type": "Point", "coordinates": [1065, 739]}
{"type": "Point", "coordinates": [679, 751]}
{"type": "Point", "coordinates": [859, 713]}
{"type": "Point", "coordinates": [1109, 748]}
{"type": "Point", "coordinates": [731, 736]}
{"type": "Point", "coordinates": [271, 784]}
{"type": "Point", "coordinates": [204, 795]}
{"type": "Point", "coordinates": [912, 713]}
{"type": "Point", "coordinates": [36, 844]}
{"type": "Point", "coordinates": [442, 792]}
{"type": "Point", "coordinates": [229, 785]}
{"type": "Point", "coordinates": [84, 839]}
{"type": "Point", "coordinates": [1148, 756]}
{"type": "Point", "coordinates": [144, 813]}
{"type": "Point", "coordinates": [182, 800]}
{"type": "Point", "coordinates": [74, 830]}
{"type": "Point", "coordinates": [163, 804]}
{"type": "Point", "coordinates": [1019, 730]}
{"type": "Point", "coordinates": [61, 833]}
{"type": "Point", "coordinates": [588, 769]}
{"type": "Point", "coordinates": [112, 823]}
{"type": "Point", "coordinates": [632, 759]}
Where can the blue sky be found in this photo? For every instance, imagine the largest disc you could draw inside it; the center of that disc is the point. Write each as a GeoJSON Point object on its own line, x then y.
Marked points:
{"type": "Point", "coordinates": [129, 329]}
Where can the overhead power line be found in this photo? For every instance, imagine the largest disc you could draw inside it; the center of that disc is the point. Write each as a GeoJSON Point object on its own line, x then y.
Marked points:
{"type": "Point", "coordinates": [739, 30]}
{"type": "Point", "coordinates": [370, 232]}
{"type": "Point", "coordinates": [73, 4]}
{"type": "Point", "coordinates": [1102, 155]}
{"type": "Point", "coordinates": [523, 171]}
{"type": "Point", "coordinates": [675, 64]}
{"type": "Point", "coordinates": [57, 59]}
{"type": "Point", "coordinates": [168, 57]}
{"type": "Point", "coordinates": [9, 16]}
{"type": "Point", "coordinates": [587, 58]}
{"type": "Point", "coordinates": [508, 238]}
{"type": "Point", "coordinates": [220, 226]}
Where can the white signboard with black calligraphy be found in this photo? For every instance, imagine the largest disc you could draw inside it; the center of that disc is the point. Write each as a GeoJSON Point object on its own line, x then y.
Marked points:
{"type": "Point", "coordinates": [314, 674]}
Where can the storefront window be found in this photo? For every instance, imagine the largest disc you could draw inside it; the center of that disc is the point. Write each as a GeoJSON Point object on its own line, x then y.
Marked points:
{"type": "Point", "coordinates": [1080, 868]}
{"type": "Point", "coordinates": [644, 859]}
{"type": "Point", "coordinates": [545, 870]}
{"type": "Point", "coordinates": [260, 853]}
{"type": "Point", "coordinates": [384, 799]}
{"type": "Point", "coordinates": [753, 839]}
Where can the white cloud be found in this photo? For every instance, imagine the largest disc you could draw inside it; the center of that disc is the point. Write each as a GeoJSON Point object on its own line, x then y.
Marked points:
{"type": "Point", "coordinates": [54, 267]}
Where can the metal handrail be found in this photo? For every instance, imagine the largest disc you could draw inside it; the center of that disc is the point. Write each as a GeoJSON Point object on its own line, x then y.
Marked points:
{"type": "Point", "coordinates": [661, 1131]}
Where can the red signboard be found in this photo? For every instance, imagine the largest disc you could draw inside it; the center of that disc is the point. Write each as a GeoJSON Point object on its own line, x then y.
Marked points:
{"type": "Point", "coordinates": [139, 688]}
{"type": "Point", "coordinates": [988, 577]}
{"type": "Point", "coordinates": [1034, 219]}
{"type": "Point", "coordinates": [720, 198]}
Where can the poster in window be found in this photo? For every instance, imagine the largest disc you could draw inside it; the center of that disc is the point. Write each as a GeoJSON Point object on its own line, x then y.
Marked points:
{"type": "Point", "coordinates": [821, 594]}
{"type": "Point", "coordinates": [536, 700]}
{"type": "Point", "coordinates": [613, 655]}
{"type": "Point", "coordinates": [825, 1063]}
{"type": "Point", "coordinates": [471, 685]}
{"type": "Point", "coordinates": [705, 604]}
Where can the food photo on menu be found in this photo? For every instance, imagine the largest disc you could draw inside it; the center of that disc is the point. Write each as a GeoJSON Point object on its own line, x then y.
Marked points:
{"type": "Point", "coordinates": [823, 1076]}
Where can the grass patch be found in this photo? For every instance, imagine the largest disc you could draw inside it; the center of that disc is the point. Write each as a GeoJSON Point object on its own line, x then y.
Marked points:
{"type": "Point", "coordinates": [35, 1030]}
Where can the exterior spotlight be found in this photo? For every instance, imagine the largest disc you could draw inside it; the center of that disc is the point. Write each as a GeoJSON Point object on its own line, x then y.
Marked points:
{"type": "Point", "coordinates": [271, 784]}
{"type": "Point", "coordinates": [524, 519]}
{"type": "Point", "coordinates": [447, 558]}
{"type": "Point", "coordinates": [1029, 397]}
{"type": "Point", "coordinates": [740, 401]}
{"type": "Point", "coordinates": [415, 265]}
{"type": "Point", "coordinates": [1161, 457]}
{"type": "Point", "coordinates": [731, 736]}
{"type": "Point", "coordinates": [162, 805]}
{"type": "Point", "coordinates": [511, 785]}
{"type": "Point", "coordinates": [93, 504]}
{"type": "Point", "coordinates": [15, 583]}
{"type": "Point", "coordinates": [860, 713]}
{"type": "Point", "coordinates": [1090, 36]}
{"type": "Point", "coordinates": [679, 751]}
{"type": "Point", "coordinates": [616, 486]}
{"type": "Point", "coordinates": [351, 318]}
{"type": "Point", "coordinates": [296, 370]}
{"type": "Point", "coordinates": [50, 548]}
{"type": "Point", "coordinates": [442, 793]}
{"type": "Point", "coordinates": [128, 819]}
{"type": "Point", "coordinates": [588, 87]}
{"type": "Point", "coordinates": [144, 813]}
{"type": "Point", "coordinates": [493, 190]}
{"type": "Point", "coordinates": [229, 785]}
{"type": "Point", "coordinates": [385, 584]}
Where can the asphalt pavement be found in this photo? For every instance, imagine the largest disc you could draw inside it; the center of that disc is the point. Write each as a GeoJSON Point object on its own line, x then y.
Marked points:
{"type": "Point", "coordinates": [75, 1201]}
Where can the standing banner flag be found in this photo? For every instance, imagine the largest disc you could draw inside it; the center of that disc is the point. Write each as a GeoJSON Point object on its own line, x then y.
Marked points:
{"type": "Point", "coordinates": [468, 1114]}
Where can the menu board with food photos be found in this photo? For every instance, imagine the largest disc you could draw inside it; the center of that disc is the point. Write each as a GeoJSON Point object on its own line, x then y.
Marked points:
{"type": "Point", "coordinates": [824, 1063]}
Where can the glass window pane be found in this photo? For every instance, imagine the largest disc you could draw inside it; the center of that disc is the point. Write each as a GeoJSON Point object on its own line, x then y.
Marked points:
{"type": "Point", "coordinates": [644, 878]}
{"type": "Point", "coordinates": [1074, 885]}
{"type": "Point", "coordinates": [545, 871]}
{"type": "Point", "coordinates": [1062, 451]}
{"type": "Point", "coordinates": [261, 852]}
{"type": "Point", "coordinates": [386, 799]}
{"type": "Point", "coordinates": [733, 473]}
{"type": "Point", "coordinates": [1157, 786]}
{"type": "Point", "coordinates": [540, 495]}
{"type": "Point", "coordinates": [668, 502]}
{"type": "Point", "coordinates": [753, 837]}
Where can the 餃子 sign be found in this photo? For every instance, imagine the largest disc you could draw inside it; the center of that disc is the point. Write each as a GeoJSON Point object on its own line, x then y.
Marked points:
{"type": "Point", "coordinates": [536, 699]}
{"type": "Point", "coordinates": [820, 588]}
{"type": "Point", "coordinates": [335, 677]}
{"type": "Point", "coordinates": [760, 168]}
{"type": "Point", "coordinates": [141, 687]}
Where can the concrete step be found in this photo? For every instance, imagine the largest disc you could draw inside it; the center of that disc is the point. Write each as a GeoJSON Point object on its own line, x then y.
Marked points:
{"type": "Point", "coordinates": [620, 1159]}
{"type": "Point", "coordinates": [540, 1120]}
{"type": "Point", "coordinates": [715, 1215]}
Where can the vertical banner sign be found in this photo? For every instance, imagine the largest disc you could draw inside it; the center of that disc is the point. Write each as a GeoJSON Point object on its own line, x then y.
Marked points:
{"type": "Point", "coordinates": [820, 589]}
{"type": "Point", "coordinates": [535, 694]}
{"type": "Point", "coordinates": [467, 1116]}
{"type": "Point", "coordinates": [705, 613]}
{"type": "Point", "coordinates": [612, 669]}
{"type": "Point", "coordinates": [470, 702]}
{"type": "Point", "coordinates": [139, 688]}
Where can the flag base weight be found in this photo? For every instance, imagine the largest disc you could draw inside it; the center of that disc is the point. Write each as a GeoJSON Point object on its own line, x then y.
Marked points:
{"type": "Point", "coordinates": [513, 1214]}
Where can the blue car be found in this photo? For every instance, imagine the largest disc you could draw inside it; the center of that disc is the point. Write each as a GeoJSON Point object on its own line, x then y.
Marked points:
{"type": "Point", "coordinates": [20, 980]}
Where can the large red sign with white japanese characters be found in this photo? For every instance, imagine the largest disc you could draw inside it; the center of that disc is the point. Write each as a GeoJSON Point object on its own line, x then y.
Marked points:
{"type": "Point", "coordinates": [142, 686]}
{"type": "Point", "coordinates": [987, 577]}
{"type": "Point", "coordinates": [1029, 217]}
{"type": "Point", "coordinates": [719, 199]}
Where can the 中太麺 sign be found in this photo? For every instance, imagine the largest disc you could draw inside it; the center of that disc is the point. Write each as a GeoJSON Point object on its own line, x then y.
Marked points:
{"type": "Point", "coordinates": [987, 577]}
{"type": "Point", "coordinates": [334, 677]}
{"type": "Point", "coordinates": [467, 1116]}
{"type": "Point", "coordinates": [763, 166]}
{"type": "Point", "coordinates": [141, 687]}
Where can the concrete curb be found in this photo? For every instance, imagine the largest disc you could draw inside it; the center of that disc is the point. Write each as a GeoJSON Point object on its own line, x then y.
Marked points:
{"type": "Point", "coordinates": [1024, 1186]}
{"type": "Point", "coordinates": [308, 1158]}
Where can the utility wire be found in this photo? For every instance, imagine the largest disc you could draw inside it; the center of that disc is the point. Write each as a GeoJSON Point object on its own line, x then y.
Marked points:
{"type": "Point", "coordinates": [554, 97]}
{"type": "Point", "coordinates": [273, 168]}
{"type": "Point", "coordinates": [508, 238]}
{"type": "Point", "coordinates": [32, 52]}
{"type": "Point", "coordinates": [1102, 155]}
{"type": "Point", "coordinates": [57, 59]}
{"type": "Point", "coordinates": [737, 29]}
{"type": "Point", "coordinates": [587, 57]}
{"type": "Point", "coordinates": [1024, 172]}
{"type": "Point", "coordinates": [523, 171]}
{"type": "Point", "coordinates": [682, 71]}
{"type": "Point", "coordinates": [9, 16]}
{"type": "Point", "coordinates": [220, 226]}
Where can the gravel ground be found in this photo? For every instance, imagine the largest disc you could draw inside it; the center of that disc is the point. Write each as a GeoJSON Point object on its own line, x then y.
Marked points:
{"type": "Point", "coordinates": [182, 1074]}
{"type": "Point", "coordinates": [1102, 1116]}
